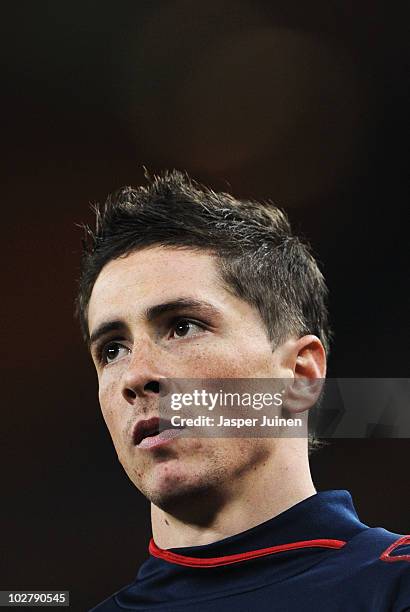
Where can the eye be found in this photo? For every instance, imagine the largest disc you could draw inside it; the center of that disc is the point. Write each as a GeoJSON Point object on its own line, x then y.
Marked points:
{"type": "Point", "coordinates": [112, 352]}
{"type": "Point", "coordinates": [183, 328]}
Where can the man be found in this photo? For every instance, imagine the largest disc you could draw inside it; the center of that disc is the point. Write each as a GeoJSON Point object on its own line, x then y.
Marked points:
{"type": "Point", "coordinates": [179, 282]}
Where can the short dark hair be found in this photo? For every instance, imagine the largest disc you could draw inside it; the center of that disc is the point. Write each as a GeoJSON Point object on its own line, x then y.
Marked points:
{"type": "Point", "coordinates": [260, 260]}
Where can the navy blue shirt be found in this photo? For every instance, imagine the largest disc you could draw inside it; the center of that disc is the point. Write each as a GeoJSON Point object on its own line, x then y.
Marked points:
{"type": "Point", "coordinates": [315, 556]}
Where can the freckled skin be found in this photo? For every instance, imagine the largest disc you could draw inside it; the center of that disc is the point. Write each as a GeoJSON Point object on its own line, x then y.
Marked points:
{"type": "Point", "coordinates": [236, 346]}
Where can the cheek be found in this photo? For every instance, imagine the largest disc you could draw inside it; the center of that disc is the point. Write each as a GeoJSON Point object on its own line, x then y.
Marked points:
{"type": "Point", "coordinates": [107, 395]}
{"type": "Point", "coordinates": [236, 359]}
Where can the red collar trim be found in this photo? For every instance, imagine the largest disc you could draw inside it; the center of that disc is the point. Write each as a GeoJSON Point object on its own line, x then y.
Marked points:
{"type": "Point", "coordinates": [171, 557]}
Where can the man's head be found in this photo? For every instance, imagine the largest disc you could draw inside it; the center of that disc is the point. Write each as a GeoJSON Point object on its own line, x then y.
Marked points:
{"type": "Point", "coordinates": [182, 282]}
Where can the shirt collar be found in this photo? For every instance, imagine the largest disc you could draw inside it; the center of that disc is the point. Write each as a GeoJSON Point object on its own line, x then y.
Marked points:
{"type": "Point", "coordinates": [329, 515]}
{"type": "Point", "coordinates": [326, 516]}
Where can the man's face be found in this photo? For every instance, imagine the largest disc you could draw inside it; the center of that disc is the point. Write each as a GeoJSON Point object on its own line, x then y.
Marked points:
{"type": "Point", "coordinates": [172, 318]}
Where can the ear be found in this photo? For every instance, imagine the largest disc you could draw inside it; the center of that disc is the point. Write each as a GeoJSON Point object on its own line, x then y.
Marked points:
{"type": "Point", "coordinates": [309, 370]}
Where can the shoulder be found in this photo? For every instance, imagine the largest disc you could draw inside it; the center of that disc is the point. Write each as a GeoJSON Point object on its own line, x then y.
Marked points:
{"type": "Point", "coordinates": [381, 547]}
{"type": "Point", "coordinates": [379, 560]}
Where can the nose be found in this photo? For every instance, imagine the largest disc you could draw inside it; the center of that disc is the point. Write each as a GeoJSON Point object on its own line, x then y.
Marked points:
{"type": "Point", "coordinates": [142, 378]}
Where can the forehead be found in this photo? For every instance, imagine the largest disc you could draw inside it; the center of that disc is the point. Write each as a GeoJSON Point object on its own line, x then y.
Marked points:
{"type": "Point", "coordinates": [147, 277]}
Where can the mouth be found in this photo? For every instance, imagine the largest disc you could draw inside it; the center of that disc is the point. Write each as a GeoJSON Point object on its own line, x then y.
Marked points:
{"type": "Point", "coordinates": [154, 432]}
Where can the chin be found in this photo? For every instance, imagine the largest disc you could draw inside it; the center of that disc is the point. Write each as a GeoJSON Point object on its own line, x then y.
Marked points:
{"type": "Point", "coordinates": [181, 494]}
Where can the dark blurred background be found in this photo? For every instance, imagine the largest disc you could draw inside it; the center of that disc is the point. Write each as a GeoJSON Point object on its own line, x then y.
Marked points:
{"type": "Point", "coordinates": [303, 103]}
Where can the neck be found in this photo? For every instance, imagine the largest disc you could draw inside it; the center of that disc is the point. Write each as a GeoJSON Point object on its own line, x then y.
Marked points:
{"type": "Point", "coordinates": [277, 484]}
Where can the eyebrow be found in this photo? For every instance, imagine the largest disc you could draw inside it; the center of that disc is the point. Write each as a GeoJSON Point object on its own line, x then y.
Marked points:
{"type": "Point", "coordinates": [104, 329]}
{"type": "Point", "coordinates": [152, 313]}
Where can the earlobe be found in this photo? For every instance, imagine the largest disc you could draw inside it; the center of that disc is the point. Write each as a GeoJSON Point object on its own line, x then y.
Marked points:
{"type": "Point", "coordinates": [302, 394]}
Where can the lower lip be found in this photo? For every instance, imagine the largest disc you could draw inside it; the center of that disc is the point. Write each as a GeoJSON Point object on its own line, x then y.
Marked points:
{"type": "Point", "coordinates": [164, 437]}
